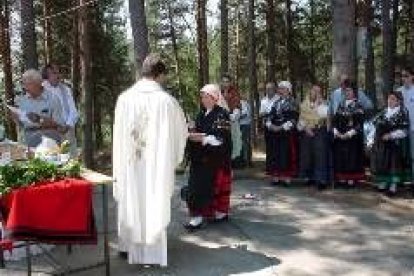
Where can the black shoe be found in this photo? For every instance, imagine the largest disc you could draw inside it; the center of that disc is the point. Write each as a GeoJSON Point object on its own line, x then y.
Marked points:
{"type": "Point", "coordinates": [192, 228]}
{"type": "Point", "coordinates": [322, 186]}
{"type": "Point", "coordinates": [123, 255]}
{"type": "Point", "coordinates": [275, 183]}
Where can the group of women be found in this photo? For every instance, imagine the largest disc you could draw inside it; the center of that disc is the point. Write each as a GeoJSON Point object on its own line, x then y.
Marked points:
{"type": "Point", "coordinates": [309, 143]}
{"type": "Point", "coordinates": [303, 141]}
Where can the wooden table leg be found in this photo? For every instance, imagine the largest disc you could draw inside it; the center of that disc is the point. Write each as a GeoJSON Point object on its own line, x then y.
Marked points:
{"type": "Point", "coordinates": [2, 264]}
{"type": "Point", "coordinates": [105, 229]}
{"type": "Point", "coordinates": [28, 259]}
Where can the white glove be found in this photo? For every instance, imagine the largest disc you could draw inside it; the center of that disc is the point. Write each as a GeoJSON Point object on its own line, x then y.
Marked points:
{"type": "Point", "coordinates": [351, 133]}
{"type": "Point", "coordinates": [301, 125]}
{"type": "Point", "coordinates": [268, 124]}
{"type": "Point", "coordinates": [211, 140]}
{"type": "Point", "coordinates": [398, 134]}
{"type": "Point", "coordinates": [287, 126]}
{"type": "Point", "coordinates": [336, 132]}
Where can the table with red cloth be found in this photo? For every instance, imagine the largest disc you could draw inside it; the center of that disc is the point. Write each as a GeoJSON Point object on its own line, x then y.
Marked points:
{"type": "Point", "coordinates": [50, 212]}
{"type": "Point", "coordinates": [57, 212]}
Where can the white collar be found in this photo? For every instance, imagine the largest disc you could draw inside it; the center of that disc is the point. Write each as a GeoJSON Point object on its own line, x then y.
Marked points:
{"type": "Point", "coordinates": [391, 111]}
{"type": "Point", "coordinates": [348, 102]}
{"type": "Point", "coordinates": [148, 85]}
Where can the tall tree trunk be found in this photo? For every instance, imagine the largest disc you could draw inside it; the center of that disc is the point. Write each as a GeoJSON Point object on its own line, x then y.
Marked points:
{"type": "Point", "coordinates": [139, 32]}
{"type": "Point", "coordinates": [289, 43]}
{"type": "Point", "coordinates": [202, 43]}
{"type": "Point", "coordinates": [75, 55]}
{"type": "Point", "coordinates": [312, 40]}
{"type": "Point", "coordinates": [7, 64]}
{"type": "Point", "coordinates": [370, 61]}
{"type": "Point", "coordinates": [387, 62]}
{"type": "Point", "coordinates": [410, 4]}
{"type": "Point", "coordinates": [271, 41]}
{"type": "Point", "coordinates": [86, 85]}
{"type": "Point", "coordinates": [224, 14]}
{"type": "Point", "coordinates": [47, 32]}
{"type": "Point", "coordinates": [97, 120]}
{"type": "Point", "coordinates": [28, 35]}
{"type": "Point", "coordinates": [395, 19]}
{"type": "Point", "coordinates": [254, 95]}
{"type": "Point", "coordinates": [344, 40]}
{"type": "Point", "coordinates": [175, 48]}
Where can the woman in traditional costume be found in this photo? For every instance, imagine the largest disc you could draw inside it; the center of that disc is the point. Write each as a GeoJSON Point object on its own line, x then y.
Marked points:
{"type": "Point", "coordinates": [281, 123]}
{"type": "Point", "coordinates": [233, 101]}
{"type": "Point", "coordinates": [314, 142]}
{"type": "Point", "coordinates": [209, 184]}
{"type": "Point", "coordinates": [348, 139]}
{"type": "Point", "coordinates": [391, 145]}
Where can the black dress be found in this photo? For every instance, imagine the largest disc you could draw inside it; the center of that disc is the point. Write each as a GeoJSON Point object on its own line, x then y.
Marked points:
{"type": "Point", "coordinates": [392, 162]}
{"type": "Point", "coordinates": [284, 143]}
{"type": "Point", "coordinates": [349, 153]}
{"type": "Point", "coordinates": [206, 160]}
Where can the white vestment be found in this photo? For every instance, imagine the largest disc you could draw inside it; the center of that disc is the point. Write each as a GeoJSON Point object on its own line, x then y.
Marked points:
{"type": "Point", "coordinates": [150, 134]}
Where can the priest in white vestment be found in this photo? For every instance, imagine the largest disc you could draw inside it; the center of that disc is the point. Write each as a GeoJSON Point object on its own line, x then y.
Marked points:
{"type": "Point", "coordinates": [150, 134]}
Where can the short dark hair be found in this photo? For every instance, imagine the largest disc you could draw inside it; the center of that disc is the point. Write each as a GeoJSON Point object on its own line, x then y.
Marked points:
{"type": "Point", "coordinates": [349, 84]}
{"type": "Point", "coordinates": [397, 94]}
{"type": "Point", "coordinates": [153, 66]}
{"type": "Point", "coordinates": [45, 74]}
{"type": "Point", "coordinates": [408, 69]}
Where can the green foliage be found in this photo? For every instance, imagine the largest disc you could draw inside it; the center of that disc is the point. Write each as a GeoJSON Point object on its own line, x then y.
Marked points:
{"type": "Point", "coordinates": [26, 173]}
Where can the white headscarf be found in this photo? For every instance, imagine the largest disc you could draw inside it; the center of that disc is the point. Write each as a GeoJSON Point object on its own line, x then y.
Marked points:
{"type": "Point", "coordinates": [285, 84]}
{"type": "Point", "coordinates": [214, 91]}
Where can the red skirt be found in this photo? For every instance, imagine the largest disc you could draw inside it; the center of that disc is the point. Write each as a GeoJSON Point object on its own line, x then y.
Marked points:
{"type": "Point", "coordinates": [222, 191]}
{"type": "Point", "coordinates": [284, 161]}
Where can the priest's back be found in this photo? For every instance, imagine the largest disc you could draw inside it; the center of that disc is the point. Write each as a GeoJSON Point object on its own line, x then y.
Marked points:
{"type": "Point", "coordinates": [150, 134]}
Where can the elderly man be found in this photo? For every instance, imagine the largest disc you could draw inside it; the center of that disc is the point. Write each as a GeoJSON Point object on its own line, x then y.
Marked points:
{"type": "Point", "coordinates": [40, 111]}
{"type": "Point", "coordinates": [54, 84]}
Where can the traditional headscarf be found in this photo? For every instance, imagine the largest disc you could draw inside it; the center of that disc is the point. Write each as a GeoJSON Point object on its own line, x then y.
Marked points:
{"type": "Point", "coordinates": [213, 90]}
{"type": "Point", "coordinates": [285, 84]}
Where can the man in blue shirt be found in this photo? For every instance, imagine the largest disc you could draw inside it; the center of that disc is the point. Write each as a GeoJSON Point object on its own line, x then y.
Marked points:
{"type": "Point", "coordinates": [338, 96]}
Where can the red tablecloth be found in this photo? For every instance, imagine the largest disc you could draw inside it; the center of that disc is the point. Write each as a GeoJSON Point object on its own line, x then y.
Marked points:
{"type": "Point", "coordinates": [58, 212]}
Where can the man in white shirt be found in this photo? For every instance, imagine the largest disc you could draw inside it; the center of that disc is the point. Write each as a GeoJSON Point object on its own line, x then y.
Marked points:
{"type": "Point", "coordinates": [407, 91]}
{"type": "Point", "coordinates": [266, 105]}
{"type": "Point", "coordinates": [52, 82]}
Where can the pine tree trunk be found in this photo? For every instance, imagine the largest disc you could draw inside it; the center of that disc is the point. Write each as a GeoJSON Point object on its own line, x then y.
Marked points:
{"type": "Point", "coordinates": [7, 64]}
{"type": "Point", "coordinates": [387, 29]}
{"type": "Point", "coordinates": [370, 61]}
{"type": "Point", "coordinates": [289, 43]}
{"type": "Point", "coordinates": [254, 95]}
{"type": "Point", "coordinates": [175, 49]}
{"type": "Point", "coordinates": [75, 55]}
{"type": "Point", "coordinates": [86, 85]}
{"type": "Point", "coordinates": [344, 40]}
{"type": "Point", "coordinates": [202, 43]}
{"type": "Point", "coordinates": [410, 4]}
{"type": "Point", "coordinates": [271, 41]}
{"type": "Point", "coordinates": [312, 41]}
{"type": "Point", "coordinates": [139, 32]}
{"type": "Point", "coordinates": [47, 32]}
{"type": "Point", "coordinates": [224, 37]}
{"type": "Point", "coordinates": [28, 35]}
